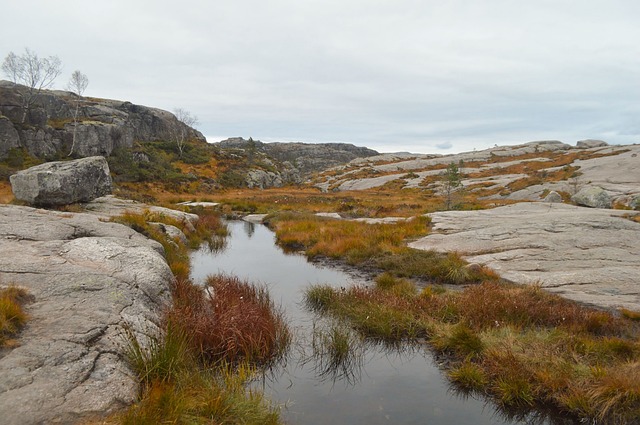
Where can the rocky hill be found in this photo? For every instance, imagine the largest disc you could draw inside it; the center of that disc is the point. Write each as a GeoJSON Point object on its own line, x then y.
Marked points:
{"type": "Point", "coordinates": [264, 165]}
{"type": "Point", "coordinates": [305, 157]}
{"type": "Point", "coordinates": [140, 144]}
{"type": "Point", "coordinates": [101, 125]}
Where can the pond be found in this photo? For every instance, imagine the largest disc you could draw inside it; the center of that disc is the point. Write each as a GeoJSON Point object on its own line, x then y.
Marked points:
{"type": "Point", "coordinates": [385, 386]}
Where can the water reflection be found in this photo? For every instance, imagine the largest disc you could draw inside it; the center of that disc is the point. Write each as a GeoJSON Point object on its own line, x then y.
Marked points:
{"type": "Point", "coordinates": [249, 228]}
{"type": "Point", "coordinates": [367, 383]}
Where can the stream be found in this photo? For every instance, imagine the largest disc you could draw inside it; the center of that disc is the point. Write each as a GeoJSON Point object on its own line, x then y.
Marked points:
{"type": "Point", "coordinates": [385, 386]}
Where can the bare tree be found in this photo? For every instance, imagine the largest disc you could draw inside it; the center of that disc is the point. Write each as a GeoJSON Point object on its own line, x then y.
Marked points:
{"type": "Point", "coordinates": [77, 84]}
{"type": "Point", "coordinates": [181, 132]}
{"type": "Point", "coordinates": [33, 72]}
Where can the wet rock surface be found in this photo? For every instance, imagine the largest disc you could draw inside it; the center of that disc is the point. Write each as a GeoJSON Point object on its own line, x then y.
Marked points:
{"type": "Point", "coordinates": [586, 254]}
{"type": "Point", "coordinates": [88, 278]}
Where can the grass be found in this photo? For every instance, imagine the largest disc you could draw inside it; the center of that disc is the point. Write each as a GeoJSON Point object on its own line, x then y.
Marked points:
{"type": "Point", "coordinates": [12, 314]}
{"type": "Point", "coordinates": [337, 352]}
{"type": "Point", "coordinates": [196, 367]}
{"type": "Point", "coordinates": [524, 347]}
{"type": "Point", "coordinates": [231, 320]}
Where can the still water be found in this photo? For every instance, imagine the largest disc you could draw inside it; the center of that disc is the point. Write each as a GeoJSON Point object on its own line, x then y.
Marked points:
{"type": "Point", "coordinates": [390, 387]}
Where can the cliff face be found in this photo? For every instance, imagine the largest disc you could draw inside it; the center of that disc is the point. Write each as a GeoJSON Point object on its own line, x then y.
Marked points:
{"type": "Point", "coordinates": [102, 125]}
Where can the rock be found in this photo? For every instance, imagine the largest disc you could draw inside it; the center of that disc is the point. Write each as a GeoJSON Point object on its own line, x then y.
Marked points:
{"type": "Point", "coordinates": [591, 143]}
{"type": "Point", "coordinates": [588, 255]}
{"type": "Point", "coordinates": [193, 204]}
{"type": "Point", "coordinates": [110, 206]}
{"type": "Point", "coordinates": [63, 182]}
{"type": "Point", "coordinates": [553, 197]}
{"type": "Point", "coordinates": [89, 279]}
{"type": "Point", "coordinates": [592, 196]}
{"type": "Point", "coordinates": [333, 215]}
{"type": "Point", "coordinates": [254, 218]}
{"type": "Point", "coordinates": [171, 231]}
{"type": "Point", "coordinates": [262, 179]}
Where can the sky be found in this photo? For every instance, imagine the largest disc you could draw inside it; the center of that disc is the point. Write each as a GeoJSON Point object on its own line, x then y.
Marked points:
{"type": "Point", "coordinates": [393, 75]}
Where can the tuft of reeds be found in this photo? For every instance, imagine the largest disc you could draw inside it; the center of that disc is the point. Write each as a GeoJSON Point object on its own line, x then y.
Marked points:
{"type": "Point", "coordinates": [232, 320]}
{"type": "Point", "coordinates": [337, 352]}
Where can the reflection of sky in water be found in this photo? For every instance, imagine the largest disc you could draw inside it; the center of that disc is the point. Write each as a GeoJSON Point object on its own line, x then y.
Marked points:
{"type": "Point", "coordinates": [392, 388]}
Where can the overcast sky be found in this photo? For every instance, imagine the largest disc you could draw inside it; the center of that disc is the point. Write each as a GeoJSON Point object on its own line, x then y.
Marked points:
{"type": "Point", "coordinates": [393, 75]}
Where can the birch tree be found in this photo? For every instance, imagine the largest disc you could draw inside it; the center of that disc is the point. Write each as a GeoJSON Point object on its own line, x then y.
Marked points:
{"type": "Point", "coordinates": [35, 73]}
{"type": "Point", "coordinates": [77, 84]}
{"type": "Point", "coordinates": [181, 132]}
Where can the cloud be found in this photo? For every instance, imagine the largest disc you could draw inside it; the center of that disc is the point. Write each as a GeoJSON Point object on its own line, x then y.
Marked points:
{"type": "Point", "coordinates": [400, 74]}
{"type": "Point", "coordinates": [444, 146]}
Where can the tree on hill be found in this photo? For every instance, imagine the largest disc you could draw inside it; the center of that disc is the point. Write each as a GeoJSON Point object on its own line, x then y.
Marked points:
{"type": "Point", "coordinates": [33, 72]}
{"type": "Point", "coordinates": [181, 132]}
{"type": "Point", "coordinates": [451, 182]}
{"type": "Point", "coordinates": [77, 84]}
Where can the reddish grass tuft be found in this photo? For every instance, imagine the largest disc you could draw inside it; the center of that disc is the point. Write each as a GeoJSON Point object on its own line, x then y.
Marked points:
{"type": "Point", "coordinates": [230, 320]}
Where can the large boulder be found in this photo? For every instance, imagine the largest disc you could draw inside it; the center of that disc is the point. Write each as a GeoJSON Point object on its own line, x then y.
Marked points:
{"type": "Point", "coordinates": [63, 182]}
{"type": "Point", "coordinates": [592, 196]}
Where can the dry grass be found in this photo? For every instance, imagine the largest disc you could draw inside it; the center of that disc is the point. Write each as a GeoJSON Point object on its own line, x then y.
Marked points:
{"type": "Point", "coordinates": [352, 240]}
{"type": "Point", "coordinates": [12, 314]}
{"type": "Point", "coordinates": [6, 195]}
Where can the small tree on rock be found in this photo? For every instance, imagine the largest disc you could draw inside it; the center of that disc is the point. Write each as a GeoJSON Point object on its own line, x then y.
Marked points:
{"type": "Point", "coordinates": [451, 183]}
{"type": "Point", "coordinates": [181, 132]}
{"type": "Point", "coordinates": [33, 72]}
{"type": "Point", "coordinates": [77, 84]}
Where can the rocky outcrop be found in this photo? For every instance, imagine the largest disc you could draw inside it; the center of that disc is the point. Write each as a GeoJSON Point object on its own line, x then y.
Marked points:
{"type": "Point", "coordinates": [585, 254]}
{"type": "Point", "coordinates": [591, 143]}
{"type": "Point", "coordinates": [63, 183]}
{"type": "Point", "coordinates": [102, 125]}
{"type": "Point", "coordinates": [89, 279]}
{"type": "Point", "coordinates": [593, 197]}
{"type": "Point", "coordinates": [291, 162]}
